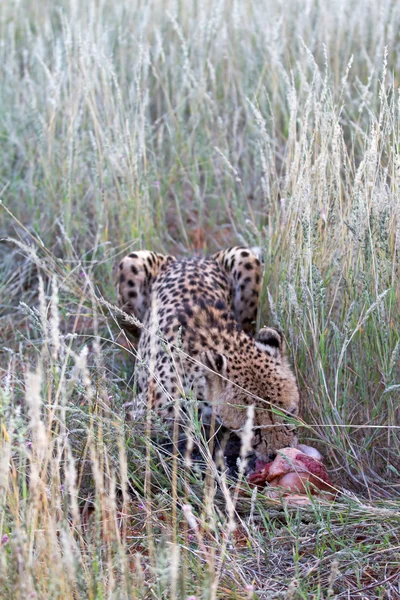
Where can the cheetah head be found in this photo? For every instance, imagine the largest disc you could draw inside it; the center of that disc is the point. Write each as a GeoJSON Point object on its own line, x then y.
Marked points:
{"type": "Point", "coordinates": [256, 373]}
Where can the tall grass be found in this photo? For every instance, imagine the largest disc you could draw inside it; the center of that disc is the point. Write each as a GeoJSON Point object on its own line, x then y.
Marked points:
{"type": "Point", "coordinates": [186, 127]}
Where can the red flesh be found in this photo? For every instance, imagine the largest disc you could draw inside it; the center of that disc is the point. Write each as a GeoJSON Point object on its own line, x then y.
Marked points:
{"type": "Point", "coordinates": [310, 468]}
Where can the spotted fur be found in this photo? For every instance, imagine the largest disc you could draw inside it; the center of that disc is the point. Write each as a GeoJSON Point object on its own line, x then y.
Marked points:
{"type": "Point", "coordinates": [198, 318]}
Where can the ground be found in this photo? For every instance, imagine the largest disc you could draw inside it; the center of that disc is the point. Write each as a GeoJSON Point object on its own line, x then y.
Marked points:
{"type": "Point", "coordinates": [186, 128]}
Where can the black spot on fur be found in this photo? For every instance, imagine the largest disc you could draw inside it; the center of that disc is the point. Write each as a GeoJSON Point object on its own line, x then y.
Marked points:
{"type": "Point", "coordinates": [219, 361]}
{"type": "Point", "coordinates": [188, 310]}
{"type": "Point", "coordinates": [182, 320]}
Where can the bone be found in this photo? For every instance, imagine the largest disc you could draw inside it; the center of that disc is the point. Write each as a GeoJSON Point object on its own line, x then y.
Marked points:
{"type": "Point", "coordinates": [295, 470]}
{"type": "Point", "coordinates": [310, 451]}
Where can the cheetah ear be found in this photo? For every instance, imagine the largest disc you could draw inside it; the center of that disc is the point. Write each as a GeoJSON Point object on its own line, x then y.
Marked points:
{"type": "Point", "coordinates": [270, 340]}
{"type": "Point", "coordinates": [215, 361]}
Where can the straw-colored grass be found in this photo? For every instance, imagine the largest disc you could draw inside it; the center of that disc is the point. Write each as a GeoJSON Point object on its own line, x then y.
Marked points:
{"type": "Point", "coordinates": [185, 127]}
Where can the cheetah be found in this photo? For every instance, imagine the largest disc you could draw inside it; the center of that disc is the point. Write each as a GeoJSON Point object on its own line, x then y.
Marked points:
{"type": "Point", "coordinates": [198, 338]}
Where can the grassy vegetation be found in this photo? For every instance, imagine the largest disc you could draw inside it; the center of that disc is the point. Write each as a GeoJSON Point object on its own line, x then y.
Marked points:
{"type": "Point", "coordinates": [185, 127]}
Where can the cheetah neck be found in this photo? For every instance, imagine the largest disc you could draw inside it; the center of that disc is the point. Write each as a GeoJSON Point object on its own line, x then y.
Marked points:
{"type": "Point", "coordinates": [215, 328]}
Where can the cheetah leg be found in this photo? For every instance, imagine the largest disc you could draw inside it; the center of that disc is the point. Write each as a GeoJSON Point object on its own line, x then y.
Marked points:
{"type": "Point", "coordinates": [136, 274]}
{"type": "Point", "coordinates": [244, 271]}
